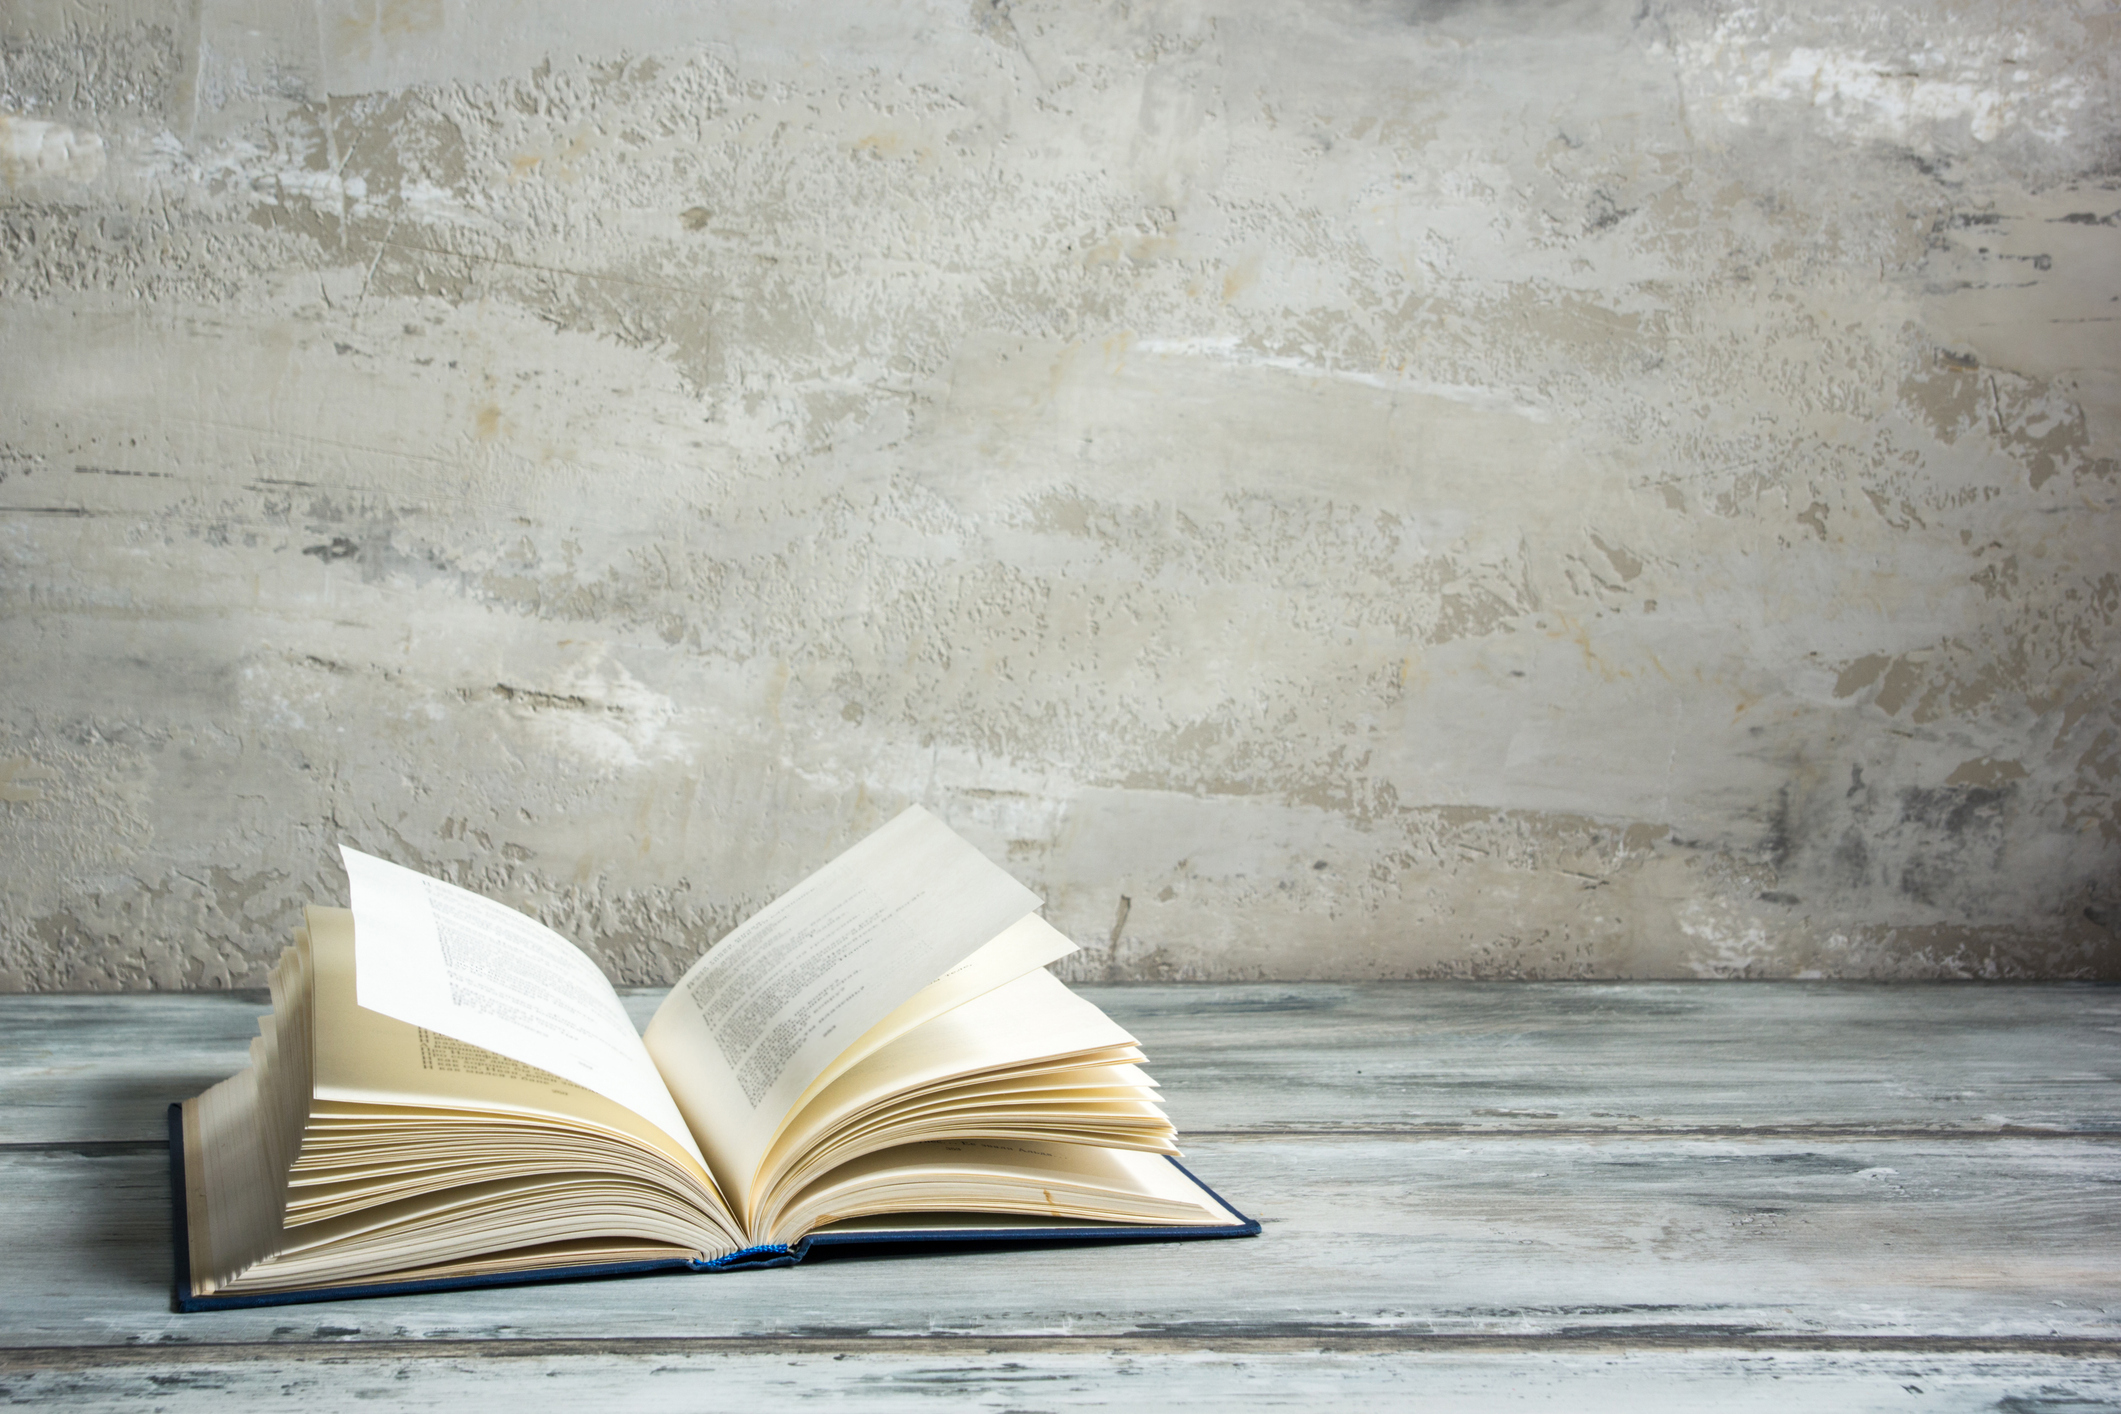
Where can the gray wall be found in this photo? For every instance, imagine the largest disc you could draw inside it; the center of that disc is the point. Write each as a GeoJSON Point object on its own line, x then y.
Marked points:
{"type": "Point", "coordinates": [1318, 490]}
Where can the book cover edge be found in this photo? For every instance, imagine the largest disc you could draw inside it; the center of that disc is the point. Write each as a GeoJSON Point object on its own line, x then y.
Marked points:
{"type": "Point", "coordinates": [747, 1259]}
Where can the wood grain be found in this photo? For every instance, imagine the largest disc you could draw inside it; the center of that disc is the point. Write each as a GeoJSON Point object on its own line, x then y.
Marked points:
{"type": "Point", "coordinates": [1558, 1236]}
{"type": "Point", "coordinates": [1604, 1381]}
{"type": "Point", "coordinates": [1585, 1196]}
{"type": "Point", "coordinates": [1488, 1057]}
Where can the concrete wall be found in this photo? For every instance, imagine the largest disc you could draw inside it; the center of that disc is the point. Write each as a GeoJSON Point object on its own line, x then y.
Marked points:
{"type": "Point", "coordinates": [1318, 490]}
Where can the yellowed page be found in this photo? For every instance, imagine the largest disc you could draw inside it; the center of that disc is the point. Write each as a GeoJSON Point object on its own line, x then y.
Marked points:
{"type": "Point", "coordinates": [346, 1168]}
{"type": "Point", "coordinates": [1024, 946]}
{"type": "Point", "coordinates": [772, 1005]}
{"type": "Point", "coordinates": [478, 1222]}
{"type": "Point", "coordinates": [443, 958]}
{"type": "Point", "coordinates": [231, 1188]}
{"type": "Point", "coordinates": [1028, 1020]}
{"type": "Point", "coordinates": [366, 1058]}
{"type": "Point", "coordinates": [1131, 1119]}
{"type": "Point", "coordinates": [241, 1135]}
{"type": "Point", "coordinates": [1063, 1181]}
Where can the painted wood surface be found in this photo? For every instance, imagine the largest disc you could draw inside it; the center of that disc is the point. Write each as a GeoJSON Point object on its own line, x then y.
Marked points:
{"type": "Point", "coordinates": [1581, 1196]}
{"type": "Point", "coordinates": [1589, 1381]}
{"type": "Point", "coordinates": [2005, 1237]}
{"type": "Point", "coordinates": [1499, 1057]}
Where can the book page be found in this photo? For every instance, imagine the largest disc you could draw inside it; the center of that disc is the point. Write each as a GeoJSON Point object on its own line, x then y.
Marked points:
{"type": "Point", "coordinates": [1052, 1181]}
{"type": "Point", "coordinates": [770, 1006]}
{"type": "Point", "coordinates": [441, 957]}
{"type": "Point", "coordinates": [368, 1059]}
{"type": "Point", "coordinates": [1033, 1018]}
{"type": "Point", "coordinates": [1026, 945]}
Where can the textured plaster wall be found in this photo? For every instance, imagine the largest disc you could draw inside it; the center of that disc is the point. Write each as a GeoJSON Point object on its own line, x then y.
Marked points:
{"type": "Point", "coordinates": [1319, 490]}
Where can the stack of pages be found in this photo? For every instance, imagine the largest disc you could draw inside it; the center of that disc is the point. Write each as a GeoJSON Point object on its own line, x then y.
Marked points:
{"type": "Point", "coordinates": [449, 1094]}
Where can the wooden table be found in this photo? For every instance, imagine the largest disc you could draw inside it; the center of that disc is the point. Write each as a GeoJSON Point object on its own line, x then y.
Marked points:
{"type": "Point", "coordinates": [1568, 1196]}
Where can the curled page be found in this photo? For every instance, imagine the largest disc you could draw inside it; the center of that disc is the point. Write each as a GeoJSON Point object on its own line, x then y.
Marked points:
{"type": "Point", "coordinates": [770, 1006]}
{"type": "Point", "coordinates": [441, 957]}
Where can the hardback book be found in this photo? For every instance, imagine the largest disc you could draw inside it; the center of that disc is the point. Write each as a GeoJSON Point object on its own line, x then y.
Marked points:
{"type": "Point", "coordinates": [449, 1094]}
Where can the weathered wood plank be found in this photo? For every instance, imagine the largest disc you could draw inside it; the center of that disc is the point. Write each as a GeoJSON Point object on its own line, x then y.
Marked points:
{"type": "Point", "coordinates": [1709, 1239]}
{"type": "Point", "coordinates": [1498, 1213]}
{"type": "Point", "coordinates": [106, 1067]}
{"type": "Point", "coordinates": [1503, 1057]}
{"type": "Point", "coordinates": [1620, 1381]}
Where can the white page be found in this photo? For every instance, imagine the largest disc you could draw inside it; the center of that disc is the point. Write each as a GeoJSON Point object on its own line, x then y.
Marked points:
{"type": "Point", "coordinates": [442, 957]}
{"type": "Point", "coordinates": [756, 1020]}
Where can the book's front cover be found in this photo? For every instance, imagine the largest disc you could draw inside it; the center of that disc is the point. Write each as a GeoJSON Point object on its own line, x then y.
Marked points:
{"type": "Point", "coordinates": [841, 1238]}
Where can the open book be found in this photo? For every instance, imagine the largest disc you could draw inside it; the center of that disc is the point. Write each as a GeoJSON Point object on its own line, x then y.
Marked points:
{"type": "Point", "coordinates": [448, 1093]}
